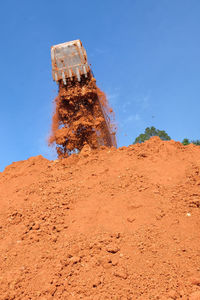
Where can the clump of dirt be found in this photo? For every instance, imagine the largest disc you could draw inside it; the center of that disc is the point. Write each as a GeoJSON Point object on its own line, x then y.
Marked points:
{"type": "Point", "coordinates": [82, 116]}
{"type": "Point", "coordinates": [102, 224]}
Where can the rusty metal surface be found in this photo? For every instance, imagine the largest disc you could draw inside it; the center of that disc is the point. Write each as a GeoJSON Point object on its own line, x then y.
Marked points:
{"type": "Point", "coordinates": [69, 60]}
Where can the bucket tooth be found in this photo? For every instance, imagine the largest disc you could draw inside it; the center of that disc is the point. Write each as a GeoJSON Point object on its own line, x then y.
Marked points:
{"type": "Point", "coordinates": [78, 74]}
{"type": "Point", "coordinates": [85, 72]}
{"type": "Point", "coordinates": [64, 79]}
{"type": "Point", "coordinates": [70, 74]}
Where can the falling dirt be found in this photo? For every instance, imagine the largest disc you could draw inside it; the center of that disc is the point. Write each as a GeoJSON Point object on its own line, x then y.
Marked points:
{"type": "Point", "coordinates": [103, 224]}
{"type": "Point", "coordinates": [82, 116]}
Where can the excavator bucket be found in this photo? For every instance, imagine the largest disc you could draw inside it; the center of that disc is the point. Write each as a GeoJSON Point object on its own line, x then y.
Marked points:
{"type": "Point", "coordinates": [69, 60]}
{"type": "Point", "coordinates": [84, 116]}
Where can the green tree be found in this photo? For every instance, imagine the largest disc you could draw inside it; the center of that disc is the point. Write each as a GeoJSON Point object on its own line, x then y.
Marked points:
{"type": "Point", "coordinates": [152, 131]}
{"type": "Point", "coordinates": [196, 142]}
{"type": "Point", "coordinates": [186, 142]}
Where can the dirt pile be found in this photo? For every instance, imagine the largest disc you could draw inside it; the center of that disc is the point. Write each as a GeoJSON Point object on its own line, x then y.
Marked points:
{"type": "Point", "coordinates": [103, 224]}
{"type": "Point", "coordinates": [82, 116]}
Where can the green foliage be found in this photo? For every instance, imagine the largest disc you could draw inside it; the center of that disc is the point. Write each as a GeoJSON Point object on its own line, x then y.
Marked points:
{"type": "Point", "coordinates": [196, 142]}
{"type": "Point", "coordinates": [186, 142]}
{"type": "Point", "coordinates": [152, 131]}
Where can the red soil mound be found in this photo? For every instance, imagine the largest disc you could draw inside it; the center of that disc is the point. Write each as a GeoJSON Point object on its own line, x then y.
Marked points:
{"type": "Point", "coordinates": [103, 224]}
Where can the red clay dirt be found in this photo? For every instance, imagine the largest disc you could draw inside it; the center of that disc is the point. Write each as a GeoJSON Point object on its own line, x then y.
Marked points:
{"type": "Point", "coordinates": [103, 224]}
{"type": "Point", "coordinates": [82, 116]}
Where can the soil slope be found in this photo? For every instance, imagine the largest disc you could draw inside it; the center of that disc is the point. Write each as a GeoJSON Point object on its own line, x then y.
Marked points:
{"type": "Point", "coordinates": [102, 224]}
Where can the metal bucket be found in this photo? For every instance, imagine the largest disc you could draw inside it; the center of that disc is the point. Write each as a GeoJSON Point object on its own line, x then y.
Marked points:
{"type": "Point", "coordinates": [69, 60]}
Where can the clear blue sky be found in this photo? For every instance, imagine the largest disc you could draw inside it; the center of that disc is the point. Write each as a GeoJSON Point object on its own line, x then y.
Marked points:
{"type": "Point", "coordinates": [145, 55]}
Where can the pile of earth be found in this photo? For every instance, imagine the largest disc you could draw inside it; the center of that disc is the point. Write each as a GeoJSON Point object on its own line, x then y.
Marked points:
{"type": "Point", "coordinates": [102, 224]}
{"type": "Point", "coordinates": [82, 116]}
